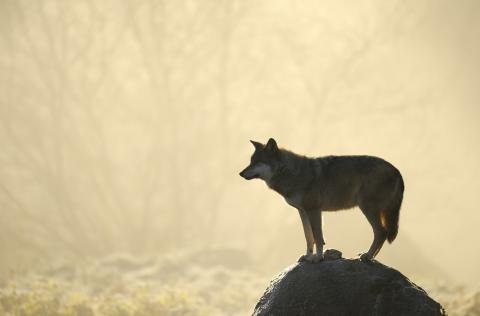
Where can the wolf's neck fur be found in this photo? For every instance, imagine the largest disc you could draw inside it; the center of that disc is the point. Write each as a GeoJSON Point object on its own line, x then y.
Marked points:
{"type": "Point", "coordinates": [294, 176]}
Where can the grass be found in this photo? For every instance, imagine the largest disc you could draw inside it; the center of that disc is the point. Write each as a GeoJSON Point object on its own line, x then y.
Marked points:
{"type": "Point", "coordinates": [122, 285]}
{"type": "Point", "coordinates": [218, 282]}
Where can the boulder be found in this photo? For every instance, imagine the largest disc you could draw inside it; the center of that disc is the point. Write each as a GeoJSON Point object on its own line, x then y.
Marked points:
{"type": "Point", "coordinates": [338, 286]}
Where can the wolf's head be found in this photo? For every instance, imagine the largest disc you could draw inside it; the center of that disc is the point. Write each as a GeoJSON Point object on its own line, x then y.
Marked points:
{"type": "Point", "coordinates": [264, 161]}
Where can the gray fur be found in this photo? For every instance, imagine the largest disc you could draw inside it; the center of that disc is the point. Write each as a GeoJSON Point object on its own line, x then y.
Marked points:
{"type": "Point", "coordinates": [331, 183]}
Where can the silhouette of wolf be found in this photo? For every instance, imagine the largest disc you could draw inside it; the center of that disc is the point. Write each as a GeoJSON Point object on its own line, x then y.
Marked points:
{"type": "Point", "coordinates": [331, 183]}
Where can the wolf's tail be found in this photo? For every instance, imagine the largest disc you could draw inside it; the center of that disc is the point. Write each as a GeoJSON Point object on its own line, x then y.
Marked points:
{"type": "Point", "coordinates": [392, 213]}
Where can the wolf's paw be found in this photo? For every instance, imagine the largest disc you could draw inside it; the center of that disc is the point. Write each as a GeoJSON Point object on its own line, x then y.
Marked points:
{"type": "Point", "coordinates": [365, 257]}
{"type": "Point", "coordinates": [305, 258]}
{"type": "Point", "coordinates": [317, 258]}
{"type": "Point", "coordinates": [311, 258]}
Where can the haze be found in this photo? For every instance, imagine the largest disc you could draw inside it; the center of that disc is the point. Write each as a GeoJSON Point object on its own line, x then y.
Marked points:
{"type": "Point", "coordinates": [124, 124]}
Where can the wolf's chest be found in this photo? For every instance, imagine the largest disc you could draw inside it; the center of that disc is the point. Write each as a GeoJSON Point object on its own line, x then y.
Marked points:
{"type": "Point", "coordinates": [295, 201]}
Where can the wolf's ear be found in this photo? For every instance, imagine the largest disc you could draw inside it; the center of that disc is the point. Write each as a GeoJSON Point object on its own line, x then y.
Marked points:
{"type": "Point", "coordinates": [257, 145]}
{"type": "Point", "coordinates": [272, 145]}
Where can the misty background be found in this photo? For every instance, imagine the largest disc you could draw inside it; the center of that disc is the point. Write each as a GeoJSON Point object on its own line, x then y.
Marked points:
{"type": "Point", "coordinates": [124, 124]}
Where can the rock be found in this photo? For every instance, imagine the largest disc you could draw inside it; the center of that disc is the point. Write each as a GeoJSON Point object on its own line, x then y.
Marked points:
{"type": "Point", "coordinates": [332, 254]}
{"type": "Point", "coordinates": [340, 286]}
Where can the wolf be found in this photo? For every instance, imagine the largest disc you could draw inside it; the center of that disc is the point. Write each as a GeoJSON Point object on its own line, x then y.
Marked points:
{"type": "Point", "coordinates": [331, 183]}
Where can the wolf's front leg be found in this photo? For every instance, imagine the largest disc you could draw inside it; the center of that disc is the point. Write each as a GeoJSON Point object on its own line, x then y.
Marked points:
{"type": "Point", "coordinates": [315, 217]}
{"type": "Point", "coordinates": [307, 229]}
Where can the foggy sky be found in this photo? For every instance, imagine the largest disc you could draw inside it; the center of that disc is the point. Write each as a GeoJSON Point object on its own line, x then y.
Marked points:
{"type": "Point", "coordinates": [123, 125]}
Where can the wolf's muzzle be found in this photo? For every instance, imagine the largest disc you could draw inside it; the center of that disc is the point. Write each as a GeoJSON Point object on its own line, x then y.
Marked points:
{"type": "Point", "coordinates": [245, 174]}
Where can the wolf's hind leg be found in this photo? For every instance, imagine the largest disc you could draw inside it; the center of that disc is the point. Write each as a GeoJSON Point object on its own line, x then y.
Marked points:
{"type": "Point", "coordinates": [307, 229]}
{"type": "Point", "coordinates": [379, 234]}
{"type": "Point", "coordinates": [316, 222]}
